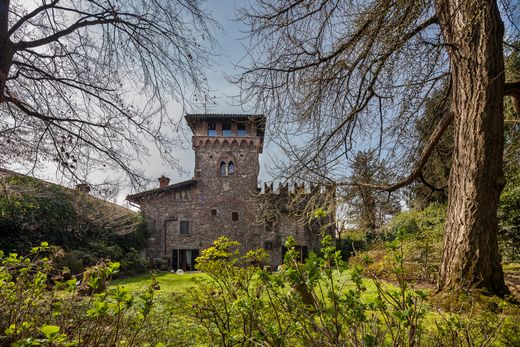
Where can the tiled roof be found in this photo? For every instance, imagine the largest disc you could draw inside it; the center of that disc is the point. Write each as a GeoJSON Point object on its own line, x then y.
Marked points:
{"type": "Point", "coordinates": [136, 197]}
{"type": "Point", "coordinates": [222, 116]}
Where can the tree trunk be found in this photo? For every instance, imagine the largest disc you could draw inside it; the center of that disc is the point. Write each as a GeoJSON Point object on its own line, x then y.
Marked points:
{"type": "Point", "coordinates": [473, 32]}
{"type": "Point", "coordinates": [6, 53]}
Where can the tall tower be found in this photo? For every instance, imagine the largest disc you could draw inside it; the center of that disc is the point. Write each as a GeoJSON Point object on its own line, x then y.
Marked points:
{"type": "Point", "coordinates": [227, 147]}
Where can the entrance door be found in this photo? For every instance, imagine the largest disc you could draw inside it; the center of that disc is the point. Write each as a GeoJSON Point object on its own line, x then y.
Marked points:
{"type": "Point", "coordinates": [184, 259]}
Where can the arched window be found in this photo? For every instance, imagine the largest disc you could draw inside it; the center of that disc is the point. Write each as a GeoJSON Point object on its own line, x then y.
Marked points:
{"type": "Point", "coordinates": [223, 169]}
{"type": "Point", "coordinates": [231, 168]}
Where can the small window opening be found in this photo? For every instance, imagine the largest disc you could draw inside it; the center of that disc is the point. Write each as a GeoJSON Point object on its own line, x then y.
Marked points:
{"type": "Point", "coordinates": [268, 245]}
{"type": "Point", "coordinates": [177, 195]}
{"type": "Point", "coordinates": [213, 212]}
{"type": "Point", "coordinates": [241, 129]}
{"type": "Point", "coordinates": [226, 129]}
{"type": "Point", "coordinates": [234, 216]}
{"type": "Point", "coordinates": [223, 169]}
{"type": "Point", "coordinates": [231, 168]}
{"type": "Point", "coordinates": [269, 225]}
{"type": "Point", "coordinates": [184, 227]}
{"type": "Point", "coordinates": [212, 129]}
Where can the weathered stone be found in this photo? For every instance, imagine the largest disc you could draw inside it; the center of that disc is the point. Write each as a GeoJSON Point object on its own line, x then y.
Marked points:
{"type": "Point", "coordinates": [223, 198]}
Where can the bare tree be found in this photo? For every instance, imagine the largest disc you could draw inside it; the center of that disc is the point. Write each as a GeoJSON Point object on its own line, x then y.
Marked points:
{"type": "Point", "coordinates": [84, 83]}
{"type": "Point", "coordinates": [345, 75]}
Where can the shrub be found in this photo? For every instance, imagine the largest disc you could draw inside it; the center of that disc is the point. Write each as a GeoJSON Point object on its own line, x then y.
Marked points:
{"type": "Point", "coordinates": [421, 233]}
{"type": "Point", "coordinates": [39, 306]}
{"type": "Point", "coordinates": [32, 211]}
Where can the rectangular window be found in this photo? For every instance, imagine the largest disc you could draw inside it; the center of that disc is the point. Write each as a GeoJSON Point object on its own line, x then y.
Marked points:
{"type": "Point", "coordinates": [212, 129]}
{"type": "Point", "coordinates": [234, 216]}
{"type": "Point", "coordinates": [226, 129]}
{"type": "Point", "coordinates": [213, 212]}
{"type": "Point", "coordinates": [241, 129]}
{"type": "Point", "coordinates": [184, 227]}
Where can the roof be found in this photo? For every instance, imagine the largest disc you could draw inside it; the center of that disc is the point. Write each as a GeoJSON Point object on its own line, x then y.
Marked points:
{"type": "Point", "coordinates": [171, 187]}
{"type": "Point", "coordinates": [232, 116]}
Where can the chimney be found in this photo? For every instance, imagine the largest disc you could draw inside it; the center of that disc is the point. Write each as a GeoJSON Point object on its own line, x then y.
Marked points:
{"type": "Point", "coordinates": [83, 187]}
{"type": "Point", "coordinates": [163, 181]}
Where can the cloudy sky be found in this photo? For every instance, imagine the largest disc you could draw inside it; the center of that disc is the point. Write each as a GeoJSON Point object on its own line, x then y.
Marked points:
{"type": "Point", "coordinates": [231, 41]}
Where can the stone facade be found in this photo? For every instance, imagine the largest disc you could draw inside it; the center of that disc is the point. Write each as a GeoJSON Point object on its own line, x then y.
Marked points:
{"type": "Point", "coordinates": [222, 198]}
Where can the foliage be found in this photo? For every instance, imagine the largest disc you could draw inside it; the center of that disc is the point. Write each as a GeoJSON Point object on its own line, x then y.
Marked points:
{"type": "Point", "coordinates": [316, 303]}
{"type": "Point", "coordinates": [509, 218]}
{"type": "Point", "coordinates": [368, 208]}
{"type": "Point", "coordinates": [39, 306]}
{"type": "Point", "coordinates": [436, 171]}
{"type": "Point", "coordinates": [421, 234]}
{"type": "Point", "coordinates": [88, 229]}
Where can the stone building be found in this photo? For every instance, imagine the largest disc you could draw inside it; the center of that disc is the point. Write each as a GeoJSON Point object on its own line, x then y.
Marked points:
{"type": "Point", "coordinates": [223, 197]}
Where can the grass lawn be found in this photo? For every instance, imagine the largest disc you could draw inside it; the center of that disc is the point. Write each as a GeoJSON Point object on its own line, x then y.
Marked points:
{"type": "Point", "coordinates": [171, 282]}
{"type": "Point", "coordinates": [168, 282]}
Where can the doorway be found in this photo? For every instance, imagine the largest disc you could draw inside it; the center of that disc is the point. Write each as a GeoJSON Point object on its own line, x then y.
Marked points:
{"type": "Point", "coordinates": [184, 259]}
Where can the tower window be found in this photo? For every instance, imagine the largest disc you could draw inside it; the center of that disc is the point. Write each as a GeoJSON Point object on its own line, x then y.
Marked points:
{"type": "Point", "coordinates": [213, 212]}
{"type": "Point", "coordinates": [231, 168]}
{"type": "Point", "coordinates": [241, 129]}
{"type": "Point", "coordinates": [223, 169]}
{"type": "Point", "coordinates": [184, 227]}
{"type": "Point", "coordinates": [234, 216]}
{"type": "Point", "coordinates": [226, 129]}
{"type": "Point", "coordinates": [212, 129]}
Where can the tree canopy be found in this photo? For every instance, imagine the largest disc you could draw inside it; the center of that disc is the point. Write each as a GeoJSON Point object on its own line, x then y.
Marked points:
{"type": "Point", "coordinates": [83, 83]}
{"type": "Point", "coordinates": [345, 76]}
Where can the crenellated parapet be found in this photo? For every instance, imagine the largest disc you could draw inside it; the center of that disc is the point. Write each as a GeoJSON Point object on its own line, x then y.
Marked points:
{"type": "Point", "coordinates": [296, 189]}
{"type": "Point", "coordinates": [251, 143]}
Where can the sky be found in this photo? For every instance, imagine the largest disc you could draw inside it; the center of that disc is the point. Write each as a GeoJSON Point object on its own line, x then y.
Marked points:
{"type": "Point", "coordinates": [230, 42]}
{"type": "Point", "coordinates": [230, 48]}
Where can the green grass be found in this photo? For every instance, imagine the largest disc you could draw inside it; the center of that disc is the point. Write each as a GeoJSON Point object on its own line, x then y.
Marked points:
{"type": "Point", "coordinates": [168, 282]}
{"type": "Point", "coordinates": [511, 267]}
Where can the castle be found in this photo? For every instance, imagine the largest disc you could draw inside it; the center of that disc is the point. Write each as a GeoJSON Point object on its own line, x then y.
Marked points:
{"type": "Point", "coordinates": [223, 198]}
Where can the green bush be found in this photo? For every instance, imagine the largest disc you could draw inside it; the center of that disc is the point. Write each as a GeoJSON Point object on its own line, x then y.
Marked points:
{"type": "Point", "coordinates": [421, 232]}
{"type": "Point", "coordinates": [316, 303]}
{"type": "Point", "coordinates": [38, 306]}
{"type": "Point", "coordinates": [33, 211]}
{"type": "Point", "coordinates": [509, 222]}
{"type": "Point", "coordinates": [322, 303]}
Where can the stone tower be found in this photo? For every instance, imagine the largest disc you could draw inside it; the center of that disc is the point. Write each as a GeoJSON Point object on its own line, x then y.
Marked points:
{"type": "Point", "coordinates": [227, 149]}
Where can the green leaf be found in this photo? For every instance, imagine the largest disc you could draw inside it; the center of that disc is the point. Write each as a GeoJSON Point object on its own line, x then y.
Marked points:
{"type": "Point", "coordinates": [49, 330]}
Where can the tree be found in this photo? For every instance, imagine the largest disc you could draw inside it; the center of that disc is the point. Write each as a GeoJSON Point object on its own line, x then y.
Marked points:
{"type": "Point", "coordinates": [369, 208]}
{"type": "Point", "coordinates": [431, 186]}
{"type": "Point", "coordinates": [347, 74]}
{"type": "Point", "coordinates": [86, 83]}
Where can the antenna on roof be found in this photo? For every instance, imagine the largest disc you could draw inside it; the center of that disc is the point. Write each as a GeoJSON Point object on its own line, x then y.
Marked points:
{"type": "Point", "coordinates": [206, 101]}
